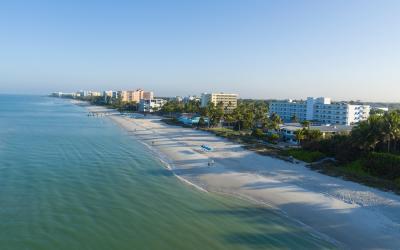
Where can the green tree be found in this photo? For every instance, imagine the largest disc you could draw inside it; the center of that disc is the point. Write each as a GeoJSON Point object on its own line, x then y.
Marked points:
{"type": "Point", "coordinates": [258, 133]}
{"type": "Point", "coordinates": [306, 124]}
{"type": "Point", "coordinates": [391, 128]}
{"type": "Point", "coordinates": [367, 134]}
{"type": "Point", "coordinates": [300, 135]}
{"type": "Point", "coordinates": [274, 122]}
{"type": "Point", "coordinates": [229, 118]}
{"type": "Point", "coordinates": [202, 122]}
{"type": "Point", "coordinates": [261, 114]}
{"type": "Point", "coordinates": [313, 134]}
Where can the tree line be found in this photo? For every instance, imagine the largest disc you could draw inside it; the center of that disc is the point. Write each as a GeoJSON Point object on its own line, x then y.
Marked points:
{"type": "Point", "coordinates": [248, 115]}
{"type": "Point", "coordinates": [114, 103]}
{"type": "Point", "coordinates": [374, 142]}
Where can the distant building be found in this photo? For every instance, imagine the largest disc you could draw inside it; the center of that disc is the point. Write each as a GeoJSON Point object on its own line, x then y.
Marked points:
{"type": "Point", "coordinates": [82, 93]}
{"type": "Point", "coordinates": [110, 95]}
{"type": "Point", "coordinates": [135, 95]}
{"type": "Point", "coordinates": [178, 98]}
{"type": "Point", "coordinates": [288, 131]}
{"type": "Point", "coordinates": [87, 93]}
{"type": "Point", "coordinates": [64, 95]}
{"type": "Point", "coordinates": [95, 93]}
{"type": "Point", "coordinates": [229, 101]}
{"type": "Point", "coordinates": [56, 94]}
{"type": "Point", "coordinates": [384, 109]}
{"type": "Point", "coordinates": [320, 110]}
{"type": "Point", "coordinates": [151, 105]}
{"type": "Point", "coordinates": [190, 98]}
{"type": "Point", "coordinates": [148, 95]}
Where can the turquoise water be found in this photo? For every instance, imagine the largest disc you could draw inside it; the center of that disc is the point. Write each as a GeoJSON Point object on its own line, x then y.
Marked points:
{"type": "Point", "coordinates": [68, 181]}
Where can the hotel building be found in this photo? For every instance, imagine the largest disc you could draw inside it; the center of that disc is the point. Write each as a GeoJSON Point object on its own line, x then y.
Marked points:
{"type": "Point", "coordinates": [320, 110]}
{"type": "Point", "coordinates": [135, 95]}
{"type": "Point", "coordinates": [229, 101]}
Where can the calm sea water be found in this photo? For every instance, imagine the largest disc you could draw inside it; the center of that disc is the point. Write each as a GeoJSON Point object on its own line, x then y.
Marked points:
{"type": "Point", "coordinates": [68, 181]}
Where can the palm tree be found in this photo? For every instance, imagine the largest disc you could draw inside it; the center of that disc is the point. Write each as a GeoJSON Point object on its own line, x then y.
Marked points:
{"type": "Point", "coordinates": [367, 134]}
{"type": "Point", "coordinates": [260, 115]}
{"type": "Point", "coordinates": [229, 119]}
{"type": "Point", "coordinates": [306, 124]}
{"type": "Point", "coordinates": [300, 135]}
{"type": "Point", "coordinates": [391, 128]}
{"type": "Point", "coordinates": [237, 115]}
{"type": "Point", "coordinates": [210, 110]}
{"type": "Point", "coordinates": [275, 121]}
{"type": "Point", "coordinates": [168, 108]}
{"type": "Point", "coordinates": [313, 134]}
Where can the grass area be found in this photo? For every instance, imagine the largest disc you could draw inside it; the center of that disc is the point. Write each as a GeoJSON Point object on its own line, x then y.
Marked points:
{"type": "Point", "coordinates": [173, 121]}
{"type": "Point", "coordinates": [355, 168]}
{"type": "Point", "coordinates": [354, 171]}
{"type": "Point", "coordinates": [304, 155]}
{"type": "Point", "coordinates": [227, 132]}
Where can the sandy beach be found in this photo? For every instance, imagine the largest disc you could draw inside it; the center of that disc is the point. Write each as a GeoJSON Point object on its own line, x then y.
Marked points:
{"type": "Point", "coordinates": [349, 214]}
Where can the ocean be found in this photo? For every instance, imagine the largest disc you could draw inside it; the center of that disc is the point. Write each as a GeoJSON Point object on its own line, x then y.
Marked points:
{"type": "Point", "coordinates": [69, 181]}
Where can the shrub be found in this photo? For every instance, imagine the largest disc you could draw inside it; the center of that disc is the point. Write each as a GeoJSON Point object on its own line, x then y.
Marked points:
{"type": "Point", "coordinates": [201, 123]}
{"type": "Point", "coordinates": [356, 168]}
{"type": "Point", "coordinates": [272, 138]}
{"type": "Point", "coordinates": [303, 155]}
{"type": "Point", "coordinates": [397, 182]}
{"type": "Point", "coordinates": [338, 146]}
{"type": "Point", "coordinates": [383, 165]}
{"type": "Point", "coordinates": [258, 133]}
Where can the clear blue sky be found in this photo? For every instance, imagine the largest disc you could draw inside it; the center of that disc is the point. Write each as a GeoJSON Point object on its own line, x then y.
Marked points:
{"type": "Point", "coordinates": [261, 49]}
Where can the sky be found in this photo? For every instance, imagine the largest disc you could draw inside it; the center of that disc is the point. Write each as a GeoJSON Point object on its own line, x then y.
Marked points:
{"type": "Point", "coordinates": [343, 49]}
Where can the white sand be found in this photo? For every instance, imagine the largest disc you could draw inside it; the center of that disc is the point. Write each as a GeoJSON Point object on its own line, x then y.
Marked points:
{"type": "Point", "coordinates": [353, 215]}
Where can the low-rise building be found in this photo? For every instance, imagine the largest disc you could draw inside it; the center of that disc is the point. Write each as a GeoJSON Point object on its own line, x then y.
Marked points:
{"type": "Point", "coordinates": [151, 105]}
{"type": "Point", "coordinates": [288, 130]}
{"type": "Point", "coordinates": [189, 119]}
{"type": "Point", "coordinates": [229, 101]}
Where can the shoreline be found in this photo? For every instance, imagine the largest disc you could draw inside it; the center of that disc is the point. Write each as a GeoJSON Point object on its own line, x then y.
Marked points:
{"type": "Point", "coordinates": [347, 214]}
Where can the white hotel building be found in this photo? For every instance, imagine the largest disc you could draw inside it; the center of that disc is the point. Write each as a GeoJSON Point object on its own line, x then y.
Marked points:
{"type": "Point", "coordinates": [320, 110]}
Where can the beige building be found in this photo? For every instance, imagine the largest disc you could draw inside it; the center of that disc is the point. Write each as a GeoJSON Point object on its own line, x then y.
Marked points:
{"type": "Point", "coordinates": [135, 95]}
{"type": "Point", "coordinates": [229, 101]}
{"type": "Point", "coordinates": [94, 93]}
{"type": "Point", "coordinates": [148, 95]}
